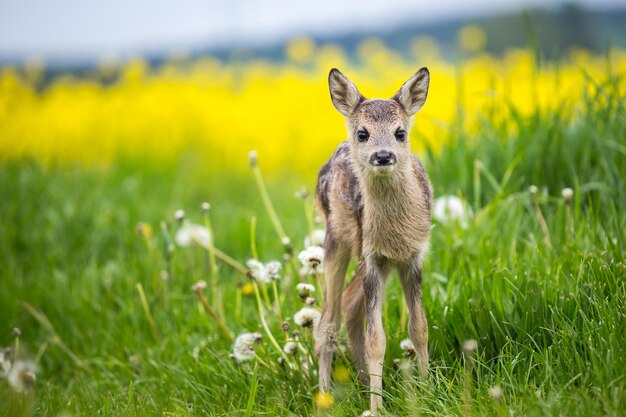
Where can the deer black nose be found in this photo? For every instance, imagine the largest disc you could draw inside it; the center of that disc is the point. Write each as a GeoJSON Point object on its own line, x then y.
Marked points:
{"type": "Point", "coordinates": [383, 158]}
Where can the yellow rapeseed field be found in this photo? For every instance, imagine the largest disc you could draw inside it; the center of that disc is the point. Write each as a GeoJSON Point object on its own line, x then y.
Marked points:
{"type": "Point", "coordinates": [223, 110]}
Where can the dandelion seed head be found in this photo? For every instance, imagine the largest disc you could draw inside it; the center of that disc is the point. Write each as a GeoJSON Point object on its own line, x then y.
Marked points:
{"type": "Point", "coordinates": [304, 290]}
{"type": "Point", "coordinates": [179, 215]}
{"type": "Point", "coordinates": [243, 348]}
{"type": "Point", "coordinates": [22, 375]}
{"type": "Point", "coordinates": [469, 346]}
{"type": "Point", "coordinates": [407, 347]}
{"type": "Point", "coordinates": [253, 157]}
{"type": "Point", "coordinates": [5, 361]}
{"type": "Point", "coordinates": [190, 234]}
{"type": "Point", "coordinates": [533, 190]}
{"type": "Point", "coordinates": [567, 194]}
{"type": "Point", "coordinates": [290, 348]}
{"type": "Point", "coordinates": [285, 241]}
{"type": "Point", "coordinates": [307, 317]}
{"type": "Point", "coordinates": [309, 301]}
{"type": "Point", "coordinates": [206, 206]}
{"type": "Point", "coordinates": [312, 260]}
{"type": "Point", "coordinates": [257, 270]}
{"type": "Point", "coordinates": [316, 238]}
{"type": "Point", "coordinates": [367, 413]}
{"type": "Point", "coordinates": [16, 332]}
{"type": "Point", "coordinates": [496, 393]}
{"type": "Point", "coordinates": [164, 275]}
{"type": "Point", "coordinates": [451, 209]}
{"type": "Point", "coordinates": [273, 270]}
{"type": "Point", "coordinates": [302, 193]}
{"type": "Point", "coordinates": [285, 326]}
{"type": "Point", "coordinates": [199, 286]}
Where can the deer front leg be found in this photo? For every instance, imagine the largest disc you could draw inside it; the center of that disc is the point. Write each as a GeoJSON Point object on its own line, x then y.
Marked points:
{"type": "Point", "coordinates": [411, 277]}
{"type": "Point", "coordinates": [337, 258]}
{"type": "Point", "coordinates": [375, 342]}
{"type": "Point", "coordinates": [353, 308]}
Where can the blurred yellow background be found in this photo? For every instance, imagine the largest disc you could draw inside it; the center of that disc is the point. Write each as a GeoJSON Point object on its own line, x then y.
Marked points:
{"type": "Point", "coordinates": [281, 109]}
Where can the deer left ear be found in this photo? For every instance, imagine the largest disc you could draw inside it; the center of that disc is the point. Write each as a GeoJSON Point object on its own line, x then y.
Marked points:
{"type": "Point", "coordinates": [412, 95]}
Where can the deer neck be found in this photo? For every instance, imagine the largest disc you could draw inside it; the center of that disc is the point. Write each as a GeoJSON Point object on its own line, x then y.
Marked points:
{"type": "Point", "coordinates": [395, 224]}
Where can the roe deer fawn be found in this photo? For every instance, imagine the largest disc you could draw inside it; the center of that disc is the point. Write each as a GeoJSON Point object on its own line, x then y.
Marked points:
{"type": "Point", "coordinates": [376, 200]}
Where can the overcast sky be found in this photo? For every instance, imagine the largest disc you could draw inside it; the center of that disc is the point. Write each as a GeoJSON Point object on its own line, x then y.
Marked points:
{"type": "Point", "coordinates": [62, 29]}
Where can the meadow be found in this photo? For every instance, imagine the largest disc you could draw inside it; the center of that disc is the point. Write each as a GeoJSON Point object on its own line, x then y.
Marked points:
{"type": "Point", "coordinates": [118, 316]}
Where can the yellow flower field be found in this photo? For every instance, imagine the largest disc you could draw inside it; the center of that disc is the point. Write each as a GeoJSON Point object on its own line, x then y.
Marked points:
{"type": "Point", "coordinates": [282, 110]}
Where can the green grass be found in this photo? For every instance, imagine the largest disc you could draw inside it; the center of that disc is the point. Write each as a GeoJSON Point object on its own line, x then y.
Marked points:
{"type": "Point", "coordinates": [550, 322]}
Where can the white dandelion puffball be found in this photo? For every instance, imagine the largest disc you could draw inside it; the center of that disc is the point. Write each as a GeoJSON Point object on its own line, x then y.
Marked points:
{"type": "Point", "coordinates": [22, 375]}
{"type": "Point", "coordinates": [5, 362]}
{"type": "Point", "coordinates": [307, 317]}
{"type": "Point", "coordinates": [243, 349]}
{"type": "Point", "coordinates": [290, 348]}
{"type": "Point", "coordinates": [312, 260]}
{"type": "Point", "coordinates": [190, 234]}
{"type": "Point", "coordinates": [273, 270]}
{"type": "Point", "coordinates": [316, 238]}
{"type": "Point", "coordinates": [304, 290]}
{"type": "Point", "coordinates": [451, 209]}
{"type": "Point", "coordinates": [407, 347]}
{"type": "Point", "coordinates": [257, 270]}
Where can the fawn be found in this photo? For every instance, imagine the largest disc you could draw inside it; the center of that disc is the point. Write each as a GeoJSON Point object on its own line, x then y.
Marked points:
{"type": "Point", "coordinates": [376, 200]}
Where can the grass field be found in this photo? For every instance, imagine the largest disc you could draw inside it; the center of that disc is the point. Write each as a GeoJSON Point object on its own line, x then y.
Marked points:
{"type": "Point", "coordinates": [112, 337]}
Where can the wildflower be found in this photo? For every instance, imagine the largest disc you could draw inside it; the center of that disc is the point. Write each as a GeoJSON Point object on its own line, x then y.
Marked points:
{"type": "Point", "coordinates": [180, 215]}
{"type": "Point", "coordinates": [199, 286]}
{"type": "Point", "coordinates": [341, 374]}
{"type": "Point", "coordinates": [315, 239]}
{"type": "Point", "coordinates": [307, 317]}
{"type": "Point", "coordinates": [304, 290]}
{"type": "Point", "coordinates": [533, 190]}
{"type": "Point", "coordinates": [247, 289]}
{"type": "Point", "coordinates": [285, 241]}
{"type": "Point", "coordinates": [312, 259]}
{"type": "Point", "coordinates": [257, 271]}
{"type": "Point", "coordinates": [451, 209]}
{"type": "Point", "coordinates": [324, 400]}
{"type": "Point", "coordinates": [367, 413]}
{"type": "Point", "coordinates": [495, 393]}
{"type": "Point", "coordinates": [16, 332]}
{"type": "Point", "coordinates": [253, 158]}
{"type": "Point", "coordinates": [286, 326]}
{"type": "Point", "coordinates": [191, 233]}
{"type": "Point", "coordinates": [290, 348]}
{"type": "Point", "coordinates": [309, 301]}
{"type": "Point", "coordinates": [206, 207]}
{"type": "Point", "coordinates": [273, 270]}
{"type": "Point", "coordinates": [567, 194]}
{"type": "Point", "coordinates": [408, 348]}
{"type": "Point", "coordinates": [144, 230]}
{"type": "Point", "coordinates": [243, 349]}
{"type": "Point", "coordinates": [22, 376]}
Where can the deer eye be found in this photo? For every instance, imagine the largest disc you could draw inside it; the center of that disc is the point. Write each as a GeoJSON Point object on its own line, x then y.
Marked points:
{"type": "Point", "coordinates": [400, 135]}
{"type": "Point", "coordinates": [362, 135]}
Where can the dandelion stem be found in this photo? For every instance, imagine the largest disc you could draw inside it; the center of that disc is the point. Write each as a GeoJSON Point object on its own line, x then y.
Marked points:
{"type": "Point", "coordinates": [255, 254]}
{"type": "Point", "coordinates": [277, 301]}
{"type": "Point", "coordinates": [542, 221]}
{"type": "Point", "coordinates": [264, 323]}
{"type": "Point", "coordinates": [43, 320]}
{"type": "Point", "coordinates": [215, 291]}
{"type": "Point", "coordinates": [267, 202]}
{"type": "Point", "coordinates": [146, 309]}
{"type": "Point", "coordinates": [220, 323]}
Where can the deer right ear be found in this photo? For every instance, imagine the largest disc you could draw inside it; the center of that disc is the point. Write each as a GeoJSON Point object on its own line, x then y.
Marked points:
{"type": "Point", "coordinates": [343, 92]}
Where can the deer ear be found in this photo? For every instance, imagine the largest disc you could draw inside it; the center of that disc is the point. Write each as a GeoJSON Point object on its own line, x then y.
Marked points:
{"type": "Point", "coordinates": [412, 95]}
{"type": "Point", "coordinates": [343, 92]}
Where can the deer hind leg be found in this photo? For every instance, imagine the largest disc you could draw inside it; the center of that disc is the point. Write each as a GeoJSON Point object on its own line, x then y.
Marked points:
{"type": "Point", "coordinates": [411, 277]}
{"type": "Point", "coordinates": [375, 342]}
{"type": "Point", "coordinates": [337, 258]}
{"type": "Point", "coordinates": [353, 306]}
